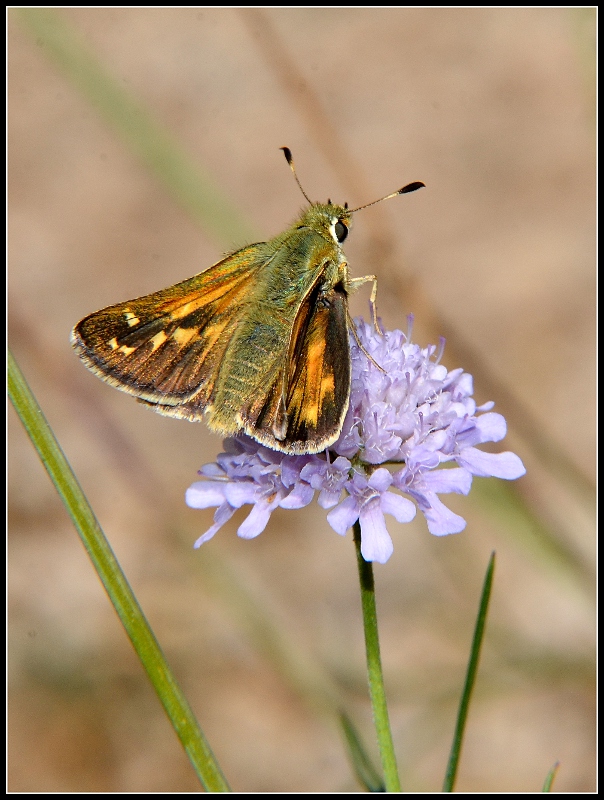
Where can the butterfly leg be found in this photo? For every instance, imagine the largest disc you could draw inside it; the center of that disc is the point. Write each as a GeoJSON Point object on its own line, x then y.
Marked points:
{"type": "Point", "coordinates": [353, 330]}
{"type": "Point", "coordinates": [353, 285]}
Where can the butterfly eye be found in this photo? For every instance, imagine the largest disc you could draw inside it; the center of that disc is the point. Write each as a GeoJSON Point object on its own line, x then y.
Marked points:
{"type": "Point", "coordinates": [341, 231]}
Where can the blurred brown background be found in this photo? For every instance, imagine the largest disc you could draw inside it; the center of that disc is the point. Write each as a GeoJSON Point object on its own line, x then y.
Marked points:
{"type": "Point", "coordinates": [494, 110]}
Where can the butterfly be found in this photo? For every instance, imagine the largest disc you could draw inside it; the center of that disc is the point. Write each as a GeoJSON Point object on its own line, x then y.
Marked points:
{"type": "Point", "coordinates": [257, 343]}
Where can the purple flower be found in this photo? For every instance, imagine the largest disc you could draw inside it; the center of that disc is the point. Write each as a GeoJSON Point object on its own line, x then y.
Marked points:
{"type": "Point", "coordinates": [368, 500]}
{"type": "Point", "coordinates": [249, 473]}
{"type": "Point", "coordinates": [412, 412]}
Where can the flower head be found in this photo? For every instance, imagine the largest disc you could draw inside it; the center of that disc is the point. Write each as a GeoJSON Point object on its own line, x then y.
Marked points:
{"type": "Point", "coordinates": [410, 413]}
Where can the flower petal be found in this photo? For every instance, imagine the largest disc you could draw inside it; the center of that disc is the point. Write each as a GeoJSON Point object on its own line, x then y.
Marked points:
{"type": "Point", "coordinates": [492, 427]}
{"type": "Point", "coordinates": [328, 499]}
{"type": "Point", "coordinates": [380, 479]}
{"type": "Point", "coordinates": [203, 494]}
{"type": "Point", "coordinates": [256, 521]}
{"type": "Point", "coordinates": [497, 465]}
{"type": "Point", "coordinates": [212, 470]}
{"type": "Point", "coordinates": [402, 509]}
{"type": "Point", "coordinates": [445, 481]}
{"type": "Point", "coordinates": [441, 520]}
{"type": "Point", "coordinates": [224, 513]}
{"type": "Point", "coordinates": [376, 544]}
{"type": "Point", "coordinates": [343, 517]}
{"type": "Point", "coordinates": [238, 493]}
{"type": "Point", "coordinates": [301, 495]}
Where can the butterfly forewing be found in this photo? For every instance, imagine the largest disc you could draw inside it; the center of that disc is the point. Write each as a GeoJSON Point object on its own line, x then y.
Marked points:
{"type": "Point", "coordinates": [167, 347]}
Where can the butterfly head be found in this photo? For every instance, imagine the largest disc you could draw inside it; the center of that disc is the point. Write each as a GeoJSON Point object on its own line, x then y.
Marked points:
{"type": "Point", "coordinates": [332, 221]}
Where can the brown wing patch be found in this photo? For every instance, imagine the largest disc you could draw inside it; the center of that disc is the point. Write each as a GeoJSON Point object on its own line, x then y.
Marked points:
{"type": "Point", "coordinates": [167, 347]}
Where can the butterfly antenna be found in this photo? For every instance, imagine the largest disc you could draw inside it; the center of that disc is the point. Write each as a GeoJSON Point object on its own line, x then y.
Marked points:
{"type": "Point", "coordinates": [410, 187]}
{"type": "Point", "coordinates": [290, 161]}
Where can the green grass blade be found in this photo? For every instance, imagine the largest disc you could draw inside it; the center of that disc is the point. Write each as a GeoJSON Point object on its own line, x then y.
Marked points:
{"type": "Point", "coordinates": [114, 581]}
{"type": "Point", "coordinates": [549, 780]}
{"type": "Point", "coordinates": [366, 773]}
{"type": "Point", "coordinates": [462, 714]}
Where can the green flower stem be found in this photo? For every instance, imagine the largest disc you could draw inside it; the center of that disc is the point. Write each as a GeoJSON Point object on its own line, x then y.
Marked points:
{"type": "Point", "coordinates": [374, 668]}
{"type": "Point", "coordinates": [114, 581]}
